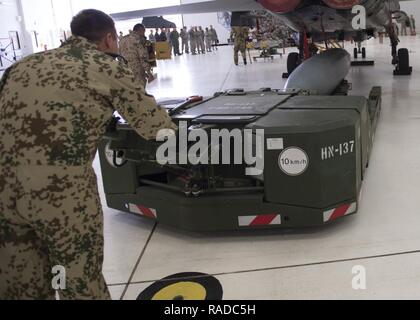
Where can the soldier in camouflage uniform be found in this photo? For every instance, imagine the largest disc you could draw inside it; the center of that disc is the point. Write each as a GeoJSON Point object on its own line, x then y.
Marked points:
{"type": "Point", "coordinates": [215, 37]}
{"type": "Point", "coordinates": [54, 109]}
{"type": "Point", "coordinates": [239, 35]}
{"type": "Point", "coordinates": [193, 40]}
{"type": "Point", "coordinates": [135, 49]}
{"type": "Point", "coordinates": [209, 36]}
{"type": "Point", "coordinates": [174, 36]}
{"type": "Point", "coordinates": [185, 39]}
{"type": "Point", "coordinates": [201, 35]}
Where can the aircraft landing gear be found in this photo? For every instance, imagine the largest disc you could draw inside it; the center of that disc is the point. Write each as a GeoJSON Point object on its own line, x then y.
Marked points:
{"type": "Point", "coordinates": [358, 51]}
{"type": "Point", "coordinates": [403, 63]}
{"type": "Point", "coordinates": [400, 58]}
{"type": "Point", "coordinates": [357, 63]}
{"type": "Point", "coordinates": [293, 61]}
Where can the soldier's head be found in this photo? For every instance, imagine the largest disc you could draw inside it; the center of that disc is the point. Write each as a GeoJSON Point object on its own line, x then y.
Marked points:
{"type": "Point", "coordinates": [139, 29]}
{"type": "Point", "coordinates": [97, 27]}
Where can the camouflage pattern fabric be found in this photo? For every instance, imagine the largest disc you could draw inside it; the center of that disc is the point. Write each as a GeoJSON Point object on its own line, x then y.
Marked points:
{"type": "Point", "coordinates": [54, 109]}
{"type": "Point", "coordinates": [208, 38]}
{"type": "Point", "coordinates": [200, 39]}
{"type": "Point", "coordinates": [214, 37]}
{"type": "Point", "coordinates": [193, 40]}
{"type": "Point", "coordinates": [239, 34]}
{"type": "Point", "coordinates": [185, 39]}
{"type": "Point", "coordinates": [133, 48]}
{"type": "Point", "coordinates": [174, 37]}
{"type": "Point", "coordinates": [52, 217]}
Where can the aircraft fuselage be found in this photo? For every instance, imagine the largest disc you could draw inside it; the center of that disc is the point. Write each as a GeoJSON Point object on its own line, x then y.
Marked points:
{"type": "Point", "coordinates": [317, 18]}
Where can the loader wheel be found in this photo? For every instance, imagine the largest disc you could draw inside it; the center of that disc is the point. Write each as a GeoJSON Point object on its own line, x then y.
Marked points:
{"type": "Point", "coordinates": [403, 59]}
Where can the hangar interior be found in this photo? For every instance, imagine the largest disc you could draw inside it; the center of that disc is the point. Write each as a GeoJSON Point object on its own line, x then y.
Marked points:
{"type": "Point", "coordinates": [306, 263]}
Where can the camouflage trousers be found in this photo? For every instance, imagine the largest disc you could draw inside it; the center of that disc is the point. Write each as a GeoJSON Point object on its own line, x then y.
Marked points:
{"type": "Point", "coordinates": [201, 46]}
{"type": "Point", "coordinates": [185, 46]}
{"type": "Point", "coordinates": [175, 47]}
{"type": "Point", "coordinates": [239, 48]}
{"type": "Point", "coordinates": [140, 76]}
{"type": "Point", "coordinates": [193, 46]}
{"type": "Point", "coordinates": [208, 45]}
{"type": "Point", "coordinates": [50, 216]}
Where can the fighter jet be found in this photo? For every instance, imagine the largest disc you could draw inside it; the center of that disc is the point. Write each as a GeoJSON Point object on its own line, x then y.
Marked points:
{"type": "Point", "coordinates": [321, 20]}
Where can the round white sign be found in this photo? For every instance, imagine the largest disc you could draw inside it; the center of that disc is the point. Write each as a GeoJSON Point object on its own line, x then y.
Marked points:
{"type": "Point", "coordinates": [293, 161]}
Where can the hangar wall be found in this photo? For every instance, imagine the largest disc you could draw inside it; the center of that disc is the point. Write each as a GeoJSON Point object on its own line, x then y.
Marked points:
{"type": "Point", "coordinates": [46, 22]}
{"type": "Point", "coordinates": [10, 21]}
{"type": "Point", "coordinates": [42, 24]}
{"type": "Point", "coordinates": [206, 20]}
{"type": "Point", "coordinates": [112, 6]}
{"type": "Point", "coordinates": [9, 14]}
{"type": "Point", "coordinates": [412, 8]}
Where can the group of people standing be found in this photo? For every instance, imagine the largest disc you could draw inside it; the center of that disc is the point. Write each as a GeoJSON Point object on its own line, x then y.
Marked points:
{"type": "Point", "coordinates": [196, 40]}
{"type": "Point", "coordinates": [137, 49]}
{"type": "Point", "coordinates": [408, 23]}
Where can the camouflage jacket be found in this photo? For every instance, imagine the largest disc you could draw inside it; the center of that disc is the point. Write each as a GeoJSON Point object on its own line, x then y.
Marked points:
{"type": "Point", "coordinates": [55, 106]}
{"type": "Point", "coordinates": [201, 34]}
{"type": "Point", "coordinates": [135, 51]}
{"type": "Point", "coordinates": [184, 35]}
{"type": "Point", "coordinates": [214, 35]}
{"type": "Point", "coordinates": [209, 35]}
{"type": "Point", "coordinates": [174, 36]}
{"type": "Point", "coordinates": [239, 35]}
{"type": "Point", "coordinates": [192, 35]}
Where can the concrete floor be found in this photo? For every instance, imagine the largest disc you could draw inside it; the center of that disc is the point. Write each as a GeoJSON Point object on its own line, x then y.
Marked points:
{"type": "Point", "coordinates": [384, 237]}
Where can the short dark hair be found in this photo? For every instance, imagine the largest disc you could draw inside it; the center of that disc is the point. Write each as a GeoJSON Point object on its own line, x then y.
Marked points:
{"type": "Point", "coordinates": [138, 27]}
{"type": "Point", "coordinates": [93, 25]}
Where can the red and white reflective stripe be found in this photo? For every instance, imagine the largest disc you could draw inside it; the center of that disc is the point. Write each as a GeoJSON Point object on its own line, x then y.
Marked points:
{"type": "Point", "coordinates": [339, 212]}
{"type": "Point", "coordinates": [143, 211]}
{"type": "Point", "coordinates": [260, 220]}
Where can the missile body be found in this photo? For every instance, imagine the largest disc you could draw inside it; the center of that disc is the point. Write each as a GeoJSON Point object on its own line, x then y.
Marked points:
{"type": "Point", "coordinates": [322, 73]}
